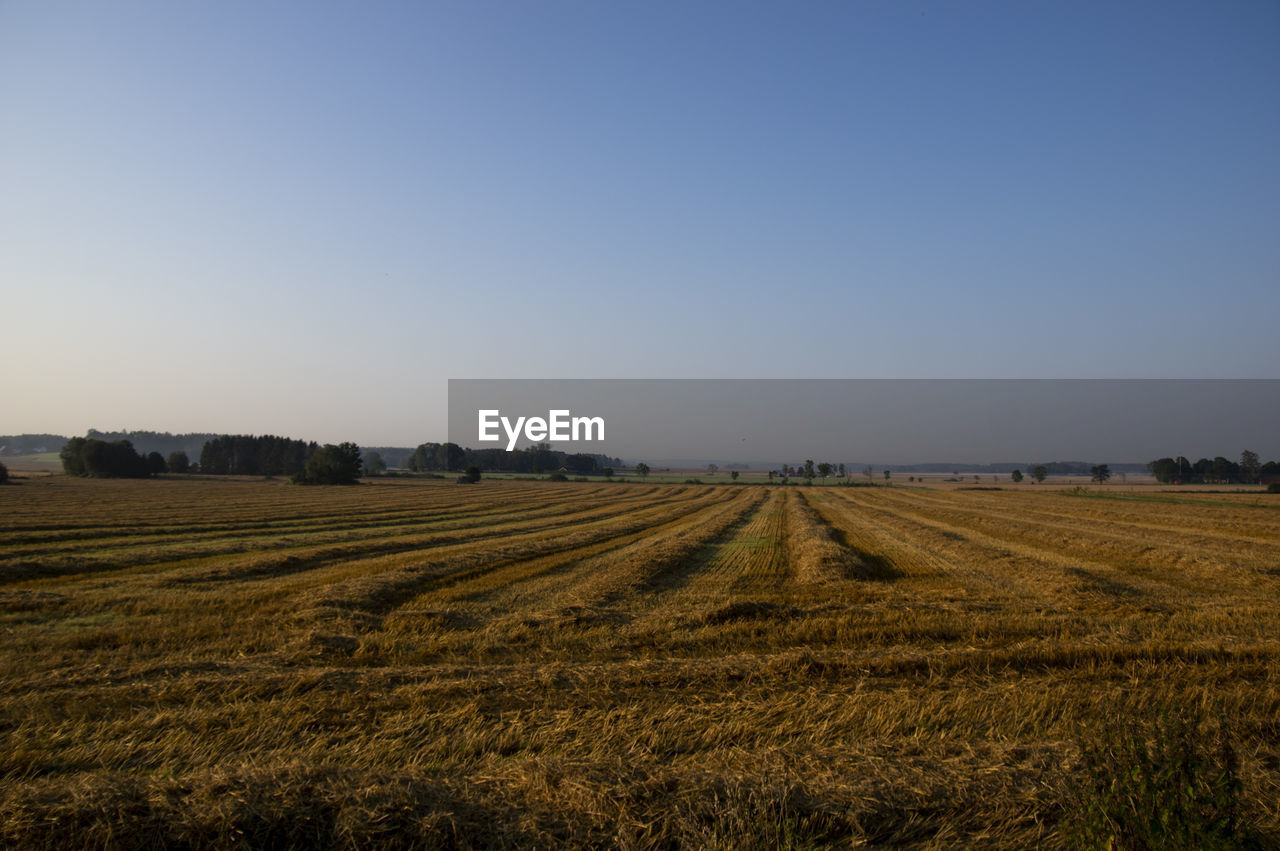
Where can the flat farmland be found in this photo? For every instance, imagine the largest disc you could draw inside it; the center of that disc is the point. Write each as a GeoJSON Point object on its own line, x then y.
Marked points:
{"type": "Point", "coordinates": [217, 663]}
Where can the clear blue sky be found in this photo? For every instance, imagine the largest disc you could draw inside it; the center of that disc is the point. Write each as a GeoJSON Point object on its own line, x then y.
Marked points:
{"type": "Point", "coordinates": [302, 218]}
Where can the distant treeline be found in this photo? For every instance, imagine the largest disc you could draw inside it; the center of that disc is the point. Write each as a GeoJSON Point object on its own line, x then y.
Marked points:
{"type": "Point", "coordinates": [269, 455]}
{"type": "Point", "coordinates": [157, 441]}
{"type": "Point", "coordinates": [250, 455]}
{"type": "Point", "coordinates": [144, 442]}
{"type": "Point", "coordinates": [538, 459]}
{"type": "Point", "coordinates": [1052, 468]}
{"type": "Point", "coordinates": [30, 444]}
{"type": "Point", "coordinates": [1220, 471]}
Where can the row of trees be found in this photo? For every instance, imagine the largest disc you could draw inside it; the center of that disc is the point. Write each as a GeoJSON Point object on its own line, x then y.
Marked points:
{"type": "Point", "coordinates": [537, 459]}
{"type": "Point", "coordinates": [1220, 471]}
{"type": "Point", "coordinates": [87, 456]}
{"type": "Point", "coordinates": [226, 455]}
{"type": "Point", "coordinates": [250, 455]}
{"type": "Point", "coordinates": [269, 455]}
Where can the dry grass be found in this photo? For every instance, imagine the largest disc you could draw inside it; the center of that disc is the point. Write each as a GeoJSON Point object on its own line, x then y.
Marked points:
{"type": "Point", "coordinates": [227, 663]}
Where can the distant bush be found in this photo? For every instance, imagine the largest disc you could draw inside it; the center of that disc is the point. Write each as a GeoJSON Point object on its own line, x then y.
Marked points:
{"type": "Point", "coordinates": [1274, 487]}
{"type": "Point", "coordinates": [693, 481]}
{"type": "Point", "coordinates": [471, 476]}
{"type": "Point", "coordinates": [4, 474]}
{"type": "Point", "coordinates": [557, 477]}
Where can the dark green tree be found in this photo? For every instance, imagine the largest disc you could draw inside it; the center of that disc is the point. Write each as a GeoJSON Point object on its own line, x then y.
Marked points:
{"type": "Point", "coordinates": [178, 462]}
{"type": "Point", "coordinates": [91, 457]}
{"type": "Point", "coordinates": [454, 456]}
{"type": "Point", "coordinates": [1100, 473]}
{"type": "Point", "coordinates": [824, 469]}
{"type": "Point", "coordinates": [1040, 472]}
{"type": "Point", "coordinates": [72, 459]}
{"type": "Point", "coordinates": [642, 470]}
{"type": "Point", "coordinates": [1250, 465]}
{"type": "Point", "coordinates": [808, 468]}
{"type": "Point", "coordinates": [1225, 470]}
{"type": "Point", "coordinates": [1016, 475]}
{"type": "Point", "coordinates": [156, 464]}
{"type": "Point", "coordinates": [4, 474]}
{"type": "Point", "coordinates": [332, 465]}
{"type": "Point", "coordinates": [374, 465]}
{"type": "Point", "coordinates": [1165, 470]}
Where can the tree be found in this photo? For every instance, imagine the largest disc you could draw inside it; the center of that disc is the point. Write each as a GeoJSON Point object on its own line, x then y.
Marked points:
{"type": "Point", "coordinates": [712, 469]}
{"type": "Point", "coordinates": [1016, 475]}
{"type": "Point", "coordinates": [1040, 473]}
{"type": "Point", "coordinates": [374, 465]}
{"type": "Point", "coordinates": [332, 465]}
{"type": "Point", "coordinates": [734, 475]}
{"type": "Point", "coordinates": [1225, 470]}
{"type": "Point", "coordinates": [4, 474]}
{"type": "Point", "coordinates": [607, 472]}
{"type": "Point", "coordinates": [178, 462]}
{"type": "Point", "coordinates": [1250, 465]}
{"type": "Point", "coordinates": [1165, 470]}
{"type": "Point", "coordinates": [808, 468]}
{"type": "Point", "coordinates": [1100, 473]}
{"type": "Point", "coordinates": [83, 456]}
{"type": "Point", "coordinates": [156, 464]}
{"type": "Point", "coordinates": [453, 456]}
{"type": "Point", "coordinates": [868, 472]}
{"type": "Point", "coordinates": [842, 470]}
{"type": "Point", "coordinates": [824, 469]}
{"type": "Point", "coordinates": [642, 470]}
{"type": "Point", "coordinates": [887, 474]}
{"type": "Point", "coordinates": [471, 476]}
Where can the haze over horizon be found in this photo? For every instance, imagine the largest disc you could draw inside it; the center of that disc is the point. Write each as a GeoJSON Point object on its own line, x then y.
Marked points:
{"type": "Point", "coordinates": [303, 221]}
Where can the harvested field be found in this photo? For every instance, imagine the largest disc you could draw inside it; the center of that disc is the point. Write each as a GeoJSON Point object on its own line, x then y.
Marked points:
{"type": "Point", "coordinates": [193, 662]}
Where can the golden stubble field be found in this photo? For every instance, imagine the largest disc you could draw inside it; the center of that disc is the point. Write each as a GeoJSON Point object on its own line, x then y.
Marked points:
{"type": "Point", "coordinates": [203, 663]}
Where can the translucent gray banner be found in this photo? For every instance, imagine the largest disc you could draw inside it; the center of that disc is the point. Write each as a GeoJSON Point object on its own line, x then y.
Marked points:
{"type": "Point", "coordinates": [768, 421]}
